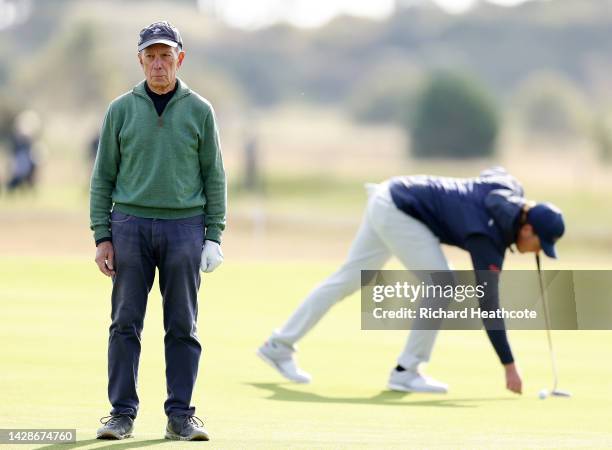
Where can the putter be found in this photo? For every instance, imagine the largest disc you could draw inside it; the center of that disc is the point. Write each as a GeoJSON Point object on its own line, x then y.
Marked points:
{"type": "Point", "coordinates": [554, 392]}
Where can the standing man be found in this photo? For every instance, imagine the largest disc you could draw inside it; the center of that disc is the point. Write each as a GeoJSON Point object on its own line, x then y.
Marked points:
{"type": "Point", "coordinates": [158, 195]}
{"type": "Point", "coordinates": [409, 217]}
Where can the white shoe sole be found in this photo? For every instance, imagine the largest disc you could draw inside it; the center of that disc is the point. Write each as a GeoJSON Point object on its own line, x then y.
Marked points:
{"type": "Point", "coordinates": [112, 436]}
{"type": "Point", "coordinates": [272, 364]}
{"type": "Point", "coordinates": [176, 437]}
{"type": "Point", "coordinates": [403, 388]}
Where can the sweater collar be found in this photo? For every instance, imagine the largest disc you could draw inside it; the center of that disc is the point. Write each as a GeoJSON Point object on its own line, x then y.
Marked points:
{"type": "Point", "coordinates": [181, 91]}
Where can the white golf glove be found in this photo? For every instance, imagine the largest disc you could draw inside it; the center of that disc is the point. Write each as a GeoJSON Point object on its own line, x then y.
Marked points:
{"type": "Point", "coordinates": [212, 256]}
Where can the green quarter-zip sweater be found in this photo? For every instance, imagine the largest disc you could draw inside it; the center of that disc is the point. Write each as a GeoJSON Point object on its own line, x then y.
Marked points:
{"type": "Point", "coordinates": [163, 167]}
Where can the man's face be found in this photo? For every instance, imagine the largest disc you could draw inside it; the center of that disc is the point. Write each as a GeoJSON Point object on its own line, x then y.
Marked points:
{"type": "Point", "coordinates": [160, 63]}
{"type": "Point", "coordinates": [527, 240]}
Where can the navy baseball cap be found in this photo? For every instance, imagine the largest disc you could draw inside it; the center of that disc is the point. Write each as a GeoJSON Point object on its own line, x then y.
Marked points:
{"type": "Point", "coordinates": [547, 222]}
{"type": "Point", "coordinates": [160, 33]}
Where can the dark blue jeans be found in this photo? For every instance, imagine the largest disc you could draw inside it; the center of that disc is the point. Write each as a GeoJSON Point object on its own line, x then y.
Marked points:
{"type": "Point", "coordinates": [174, 247]}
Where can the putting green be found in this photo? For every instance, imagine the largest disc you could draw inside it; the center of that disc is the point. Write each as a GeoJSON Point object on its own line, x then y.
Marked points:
{"type": "Point", "coordinates": [55, 316]}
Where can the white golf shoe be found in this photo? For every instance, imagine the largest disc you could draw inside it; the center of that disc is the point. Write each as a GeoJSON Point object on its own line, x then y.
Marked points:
{"type": "Point", "coordinates": [280, 356]}
{"type": "Point", "coordinates": [412, 381]}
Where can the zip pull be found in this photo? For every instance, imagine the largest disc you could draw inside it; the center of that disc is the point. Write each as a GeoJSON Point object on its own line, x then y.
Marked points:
{"type": "Point", "coordinates": [160, 122]}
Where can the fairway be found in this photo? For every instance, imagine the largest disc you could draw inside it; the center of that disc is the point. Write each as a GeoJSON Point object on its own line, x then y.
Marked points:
{"type": "Point", "coordinates": [56, 314]}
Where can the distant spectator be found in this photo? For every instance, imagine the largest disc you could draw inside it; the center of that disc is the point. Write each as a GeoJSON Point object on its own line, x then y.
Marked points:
{"type": "Point", "coordinates": [23, 167]}
{"type": "Point", "coordinates": [92, 150]}
{"type": "Point", "coordinates": [93, 147]}
{"type": "Point", "coordinates": [251, 166]}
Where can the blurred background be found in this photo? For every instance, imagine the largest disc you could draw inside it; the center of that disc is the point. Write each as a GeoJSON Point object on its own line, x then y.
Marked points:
{"type": "Point", "coordinates": [314, 99]}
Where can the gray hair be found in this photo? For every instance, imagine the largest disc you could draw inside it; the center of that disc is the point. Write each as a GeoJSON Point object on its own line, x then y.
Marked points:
{"type": "Point", "coordinates": [177, 50]}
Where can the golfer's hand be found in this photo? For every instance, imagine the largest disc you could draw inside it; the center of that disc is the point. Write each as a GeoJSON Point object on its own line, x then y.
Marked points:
{"type": "Point", "coordinates": [513, 379]}
{"type": "Point", "coordinates": [105, 258]}
{"type": "Point", "coordinates": [212, 256]}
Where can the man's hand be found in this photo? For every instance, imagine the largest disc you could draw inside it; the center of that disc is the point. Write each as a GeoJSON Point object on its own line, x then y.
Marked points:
{"type": "Point", "coordinates": [105, 258]}
{"type": "Point", "coordinates": [212, 256]}
{"type": "Point", "coordinates": [513, 379]}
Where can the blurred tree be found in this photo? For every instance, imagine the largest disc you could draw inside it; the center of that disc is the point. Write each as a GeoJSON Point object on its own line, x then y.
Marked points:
{"type": "Point", "coordinates": [602, 137]}
{"type": "Point", "coordinates": [385, 96]}
{"type": "Point", "coordinates": [455, 117]}
{"type": "Point", "coordinates": [4, 68]}
{"type": "Point", "coordinates": [550, 105]}
{"type": "Point", "coordinates": [226, 95]}
{"type": "Point", "coordinates": [76, 70]}
{"type": "Point", "coordinates": [8, 112]}
{"type": "Point", "coordinates": [324, 65]}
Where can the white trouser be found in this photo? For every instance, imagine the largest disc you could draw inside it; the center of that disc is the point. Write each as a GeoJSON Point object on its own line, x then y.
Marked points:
{"type": "Point", "coordinates": [384, 231]}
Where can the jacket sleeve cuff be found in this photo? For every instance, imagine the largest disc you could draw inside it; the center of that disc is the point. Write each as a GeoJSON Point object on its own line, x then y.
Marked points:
{"type": "Point", "coordinates": [104, 239]}
{"type": "Point", "coordinates": [100, 232]}
{"type": "Point", "coordinates": [213, 233]}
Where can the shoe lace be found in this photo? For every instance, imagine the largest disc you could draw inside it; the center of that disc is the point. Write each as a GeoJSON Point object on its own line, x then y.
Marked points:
{"type": "Point", "coordinates": [110, 420]}
{"type": "Point", "coordinates": [195, 421]}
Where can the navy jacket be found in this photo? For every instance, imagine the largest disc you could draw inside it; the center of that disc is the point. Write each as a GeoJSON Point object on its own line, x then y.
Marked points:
{"type": "Point", "coordinates": [457, 208]}
{"type": "Point", "coordinates": [480, 215]}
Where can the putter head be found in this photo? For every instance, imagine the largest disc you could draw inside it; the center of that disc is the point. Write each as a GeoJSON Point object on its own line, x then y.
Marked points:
{"type": "Point", "coordinates": [559, 393]}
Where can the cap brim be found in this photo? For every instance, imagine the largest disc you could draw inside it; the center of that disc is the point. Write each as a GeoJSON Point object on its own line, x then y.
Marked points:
{"type": "Point", "coordinates": [157, 41]}
{"type": "Point", "coordinates": [549, 249]}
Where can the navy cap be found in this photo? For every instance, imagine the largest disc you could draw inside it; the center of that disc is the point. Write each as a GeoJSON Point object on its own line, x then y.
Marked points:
{"type": "Point", "coordinates": [160, 33]}
{"type": "Point", "coordinates": [547, 222]}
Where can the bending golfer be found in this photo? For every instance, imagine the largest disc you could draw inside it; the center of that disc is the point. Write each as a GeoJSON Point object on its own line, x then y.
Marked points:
{"type": "Point", "coordinates": [409, 217]}
{"type": "Point", "coordinates": [157, 201]}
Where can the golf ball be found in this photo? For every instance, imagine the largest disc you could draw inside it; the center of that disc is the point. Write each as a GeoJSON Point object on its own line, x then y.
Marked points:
{"type": "Point", "coordinates": [543, 394]}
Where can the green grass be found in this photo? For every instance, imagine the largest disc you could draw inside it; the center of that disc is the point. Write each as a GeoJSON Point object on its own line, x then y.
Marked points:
{"type": "Point", "coordinates": [55, 315]}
